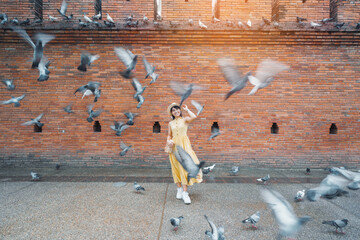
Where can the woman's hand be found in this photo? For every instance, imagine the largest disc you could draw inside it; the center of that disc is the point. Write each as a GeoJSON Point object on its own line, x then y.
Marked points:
{"type": "Point", "coordinates": [185, 107]}
{"type": "Point", "coordinates": [171, 143]}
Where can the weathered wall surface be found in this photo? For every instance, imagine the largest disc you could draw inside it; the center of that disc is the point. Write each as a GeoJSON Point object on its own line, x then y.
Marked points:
{"type": "Point", "coordinates": [321, 88]}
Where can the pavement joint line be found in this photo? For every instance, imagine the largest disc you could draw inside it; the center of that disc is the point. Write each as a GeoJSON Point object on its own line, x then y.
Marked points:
{"type": "Point", "coordinates": [163, 210]}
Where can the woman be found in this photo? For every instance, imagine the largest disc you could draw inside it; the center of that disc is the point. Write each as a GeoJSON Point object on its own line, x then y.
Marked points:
{"type": "Point", "coordinates": [178, 136]}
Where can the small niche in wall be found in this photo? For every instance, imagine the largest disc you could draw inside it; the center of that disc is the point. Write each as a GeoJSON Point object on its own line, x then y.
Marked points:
{"type": "Point", "coordinates": [97, 7]}
{"type": "Point", "coordinates": [274, 128]}
{"type": "Point", "coordinates": [333, 129]}
{"type": "Point", "coordinates": [246, 1]}
{"type": "Point", "coordinates": [156, 127]}
{"type": "Point", "coordinates": [37, 128]}
{"type": "Point", "coordinates": [214, 127]}
{"type": "Point", "coordinates": [97, 126]}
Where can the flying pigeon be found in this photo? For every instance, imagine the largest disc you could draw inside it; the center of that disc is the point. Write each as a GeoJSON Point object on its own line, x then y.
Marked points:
{"type": "Point", "coordinates": [215, 131]}
{"type": "Point", "coordinates": [233, 76]}
{"type": "Point", "coordinates": [124, 148]}
{"type": "Point", "coordinates": [138, 88]}
{"type": "Point", "coordinates": [330, 187]}
{"type": "Point", "coordinates": [141, 100]}
{"type": "Point", "coordinates": [89, 89]}
{"type": "Point", "coordinates": [265, 73]}
{"type": "Point", "coordinates": [93, 114]}
{"type": "Point", "coordinates": [35, 121]}
{"type": "Point", "coordinates": [150, 71]}
{"type": "Point", "coordinates": [198, 107]}
{"type": "Point", "coordinates": [353, 177]}
{"type": "Point", "coordinates": [9, 84]}
{"type": "Point", "coordinates": [338, 224]}
{"type": "Point", "coordinates": [202, 26]}
{"type": "Point", "coordinates": [128, 59]}
{"type": "Point", "coordinates": [68, 109]}
{"type": "Point", "coordinates": [41, 40]}
{"type": "Point", "coordinates": [63, 9]}
{"type": "Point", "coordinates": [131, 117]}
{"type": "Point", "coordinates": [264, 179]}
{"type": "Point", "coordinates": [206, 170]}
{"type": "Point", "coordinates": [253, 219]}
{"type": "Point", "coordinates": [187, 162]}
{"type": "Point", "coordinates": [35, 176]}
{"type": "Point", "coordinates": [289, 223]}
{"type": "Point", "coordinates": [14, 100]}
{"type": "Point", "coordinates": [175, 222]}
{"type": "Point", "coordinates": [215, 233]}
{"type": "Point", "coordinates": [86, 59]}
{"type": "Point", "coordinates": [300, 196]}
{"type": "Point", "coordinates": [119, 127]}
{"type": "Point", "coordinates": [234, 170]}
{"type": "Point", "coordinates": [184, 90]}
{"type": "Point", "coordinates": [43, 70]}
{"type": "Point", "coordinates": [138, 188]}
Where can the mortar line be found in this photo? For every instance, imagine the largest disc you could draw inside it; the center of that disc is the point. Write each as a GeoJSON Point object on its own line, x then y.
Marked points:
{"type": "Point", "coordinates": [163, 210]}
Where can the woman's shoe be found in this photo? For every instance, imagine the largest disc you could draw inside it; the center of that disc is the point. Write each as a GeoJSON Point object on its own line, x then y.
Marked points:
{"type": "Point", "coordinates": [186, 198]}
{"type": "Point", "coordinates": [179, 193]}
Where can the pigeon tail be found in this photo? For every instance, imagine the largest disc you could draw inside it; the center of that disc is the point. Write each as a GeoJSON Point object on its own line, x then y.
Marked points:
{"type": "Point", "coordinates": [126, 74]}
{"type": "Point", "coordinates": [304, 220]}
{"type": "Point", "coordinates": [328, 222]}
{"type": "Point", "coordinates": [17, 104]}
{"type": "Point", "coordinates": [90, 119]}
{"type": "Point", "coordinates": [82, 67]}
{"type": "Point", "coordinates": [43, 78]}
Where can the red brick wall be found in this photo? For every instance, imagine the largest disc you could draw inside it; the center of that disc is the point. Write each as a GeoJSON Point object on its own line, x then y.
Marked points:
{"type": "Point", "coordinates": [21, 9]}
{"type": "Point", "coordinates": [349, 11]}
{"type": "Point", "coordinates": [320, 89]}
{"type": "Point", "coordinates": [313, 10]}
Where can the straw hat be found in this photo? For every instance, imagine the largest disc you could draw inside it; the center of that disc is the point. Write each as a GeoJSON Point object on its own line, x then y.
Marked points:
{"type": "Point", "coordinates": [170, 106]}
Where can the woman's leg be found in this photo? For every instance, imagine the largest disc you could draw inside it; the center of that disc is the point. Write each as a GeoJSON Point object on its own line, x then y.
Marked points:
{"type": "Point", "coordinates": [178, 184]}
{"type": "Point", "coordinates": [185, 187]}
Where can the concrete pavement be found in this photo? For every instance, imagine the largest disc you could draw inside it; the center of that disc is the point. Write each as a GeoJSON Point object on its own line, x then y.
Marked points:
{"type": "Point", "coordinates": [91, 203]}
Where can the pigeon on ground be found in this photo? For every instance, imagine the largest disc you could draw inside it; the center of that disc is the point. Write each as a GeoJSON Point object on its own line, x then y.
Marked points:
{"type": "Point", "coordinates": [25, 22]}
{"type": "Point", "coordinates": [57, 166]}
{"type": "Point", "coordinates": [41, 40]}
{"type": "Point", "coordinates": [119, 127]}
{"type": "Point", "coordinates": [187, 162]}
{"type": "Point", "coordinates": [63, 9]}
{"type": "Point", "coordinates": [14, 100]}
{"type": "Point", "coordinates": [138, 88]}
{"type": "Point", "coordinates": [3, 18]}
{"type": "Point", "coordinates": [86, 59]}
{"type": "Point", "coordinates": [110, 20]}
{"type": "Point", "coordinates": [198, 107]}
{"type": "Point", "coordinates": [307, 171]}
{"type": "Point", "coordinates": [234, 170]}
{"type": "Point", "coordinates": [82, 24]}
{"type": "Point", "coordinates": [300, 196]}
{"type": "Point", "coordinates": [330, 187]}
{"type": "Point", "coordinates": [215, 131]}
{"type": "Point", "coordinates": [253, 219]}
{"type": "Point", "coordinates": [357, 25]}
{"type": "Point", "coordinates": [184, 90]}
{"type": "Point", "coordinates": [191, 22]}
{"type": "Point", "coordinates": [68, 108]}
{"type": "Point", "coordinates": [35, 176]}
{"type": "Point", "coordinates": [138, 188]}
{"type": "Point", "coordinates": [232, 75]}
{"type": "Point", "coordinates": [265, 73]}
{"type": "Point", "coordinates": [89, 89]}
{"type": "Point", "coordinates": [97, 16]}
{"type": "Point", "coordinates": [87, 19]}
{"type": "Point", "coordinates": [145, 20]}
{"type": "Point", "coordinates": [248, 23]}
{"type": "Point", "coordinates": [128, 59]}
{"type": "Point", "coordinates": [43, 70]}
{"type": "Point", "coordinates": [325, 20]}
{"type": "Point", "coordinates": [264, 23]}
{"type": "Point", "coordinates": [300, 19]}
{"type": "Point", "coordinates": [338, 224]}
{"type": "Point", "coordinates": [175, 222]}
{"type": "Point", "coordinates": [124, 148]}
{"type": "Point", "coordinates": [52, 19]}
{"type": "Point", "coordinates": [150, 71]}
{"type": "Point", "coordinates": [240, 25]}
{"type": "Point", "coordinates": [215, 233]}
{"type": "Point", "coordinates": [202, 26]}
{"type": "Point", "coordinates": [264, 179]}
{"type": "Point", "coordinates": [14, 21]}
{"type": "Point", "coordinates": [339, 25]}
{"type": "Point", "coordinates": [109, 24]}
{"type": "Point", "coordinates": [141, 100]}
{"type": "Point", "coordinates": [206, 170]}
{"type": "Point", "coordinates": [131, 117]}
{"type": "Point", "coordinates": [314, 24]}
{"type": "Point", "coordinates": [35, 121]}
{"type": "Point", "coordinates": [132, 24]}
{"type": "Point", "coordinates": [9, 84]}
{"type": "Point", "coordinates": [93, 114]}
{"type": "Point", "coordinates": [289, 223]}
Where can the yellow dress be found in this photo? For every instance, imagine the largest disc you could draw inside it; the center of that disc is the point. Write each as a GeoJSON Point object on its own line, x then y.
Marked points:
{"type": "Point", "coordinates": [179, 132]}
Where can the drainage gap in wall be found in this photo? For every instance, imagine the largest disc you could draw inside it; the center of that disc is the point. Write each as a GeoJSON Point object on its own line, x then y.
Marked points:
{"type": "Point", "coordinates": [214, 127]}
{"type": "Point", "coordinates": [97, 126]}
{"type": "Point", "coordinates": [156, 127]}
{"type": "Point", "coordinates": [37, 128]}
{"type": "Point", "coordinates": [274, 128]}
{"type": "Point", "coordinates": [333, 129]}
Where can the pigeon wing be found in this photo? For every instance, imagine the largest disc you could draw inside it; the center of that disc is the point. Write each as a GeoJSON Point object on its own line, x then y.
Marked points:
{"type": "Point", "coordinates": [123, 145]}
{"type": "Point", "coordinates": [39, 117]}
{"type": "Point", "coordinates": [97, 113]}
{"type": "Point", "coordinates": [89, 108]}
{"type": "Point", "coordinates": [24, 35]}
{"type": "Point", "coordinates": [178, 87]}
{"type": "Point", "coordinates": [136, 84]}
{"type": "Point", "coordinates": [269, 68]}
{"type": "Point", "coordinates": [124, 56]}
{"type": "Point", "coordinates": [148, 67]}
{"type": "Point", "coordinates": [230, 71]}
{"type": "Point", "coordinates": [212, 226]}
{"type": "Point", "coordinates": [44, 38]}
{"type": "Point", "coordinates": [21, 97]}
{"type": "Point", "coordinates": [63, 7]}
